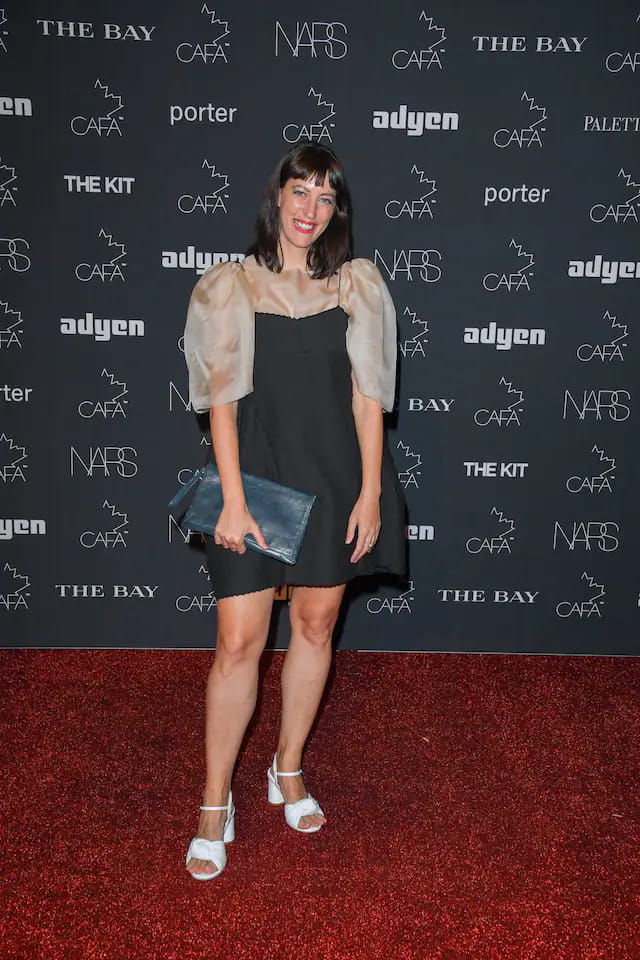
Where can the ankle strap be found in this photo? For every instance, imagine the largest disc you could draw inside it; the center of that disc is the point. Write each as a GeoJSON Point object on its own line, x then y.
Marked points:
{"type": "Point", "coordinates": [214, 808]}
{"type": "Point", "coordinates": [293, 774]}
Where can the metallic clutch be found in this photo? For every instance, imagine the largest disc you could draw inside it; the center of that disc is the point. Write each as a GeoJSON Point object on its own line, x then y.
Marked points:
{"type": "Point", "coordinates": [280, 512]}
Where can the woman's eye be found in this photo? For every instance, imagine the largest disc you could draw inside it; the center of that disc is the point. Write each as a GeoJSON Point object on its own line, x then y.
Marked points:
{"type": "Point", "coordinates": [328, 200]}
{"type": "Point", "coordinates": [299, 193]}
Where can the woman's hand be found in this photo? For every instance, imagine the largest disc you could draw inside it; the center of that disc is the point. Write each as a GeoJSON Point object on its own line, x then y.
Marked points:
{"type": "Point", "coordinates": [366, 517]}
{"type": "Point", "coordinates": [233, 523]}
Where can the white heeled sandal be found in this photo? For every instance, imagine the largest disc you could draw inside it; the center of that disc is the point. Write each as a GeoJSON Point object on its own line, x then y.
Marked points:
{"type": "Point", "coordinates": [214, 850]}
{"type": "Point", "coordinates": [292, 811]}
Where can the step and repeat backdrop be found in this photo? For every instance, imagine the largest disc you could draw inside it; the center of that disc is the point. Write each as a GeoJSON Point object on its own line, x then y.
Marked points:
{"type": "Point", "coordinates": [492, 152]}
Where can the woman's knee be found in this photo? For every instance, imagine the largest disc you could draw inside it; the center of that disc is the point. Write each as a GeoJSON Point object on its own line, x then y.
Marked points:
{"type": "Point", "coordinates": [238, 647]}
{"type": "Point", "coordinates": [315, 626]}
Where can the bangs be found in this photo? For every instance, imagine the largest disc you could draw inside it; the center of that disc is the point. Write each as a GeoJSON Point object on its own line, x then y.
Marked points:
{"type": "Point", "coordinates": [312, 163]}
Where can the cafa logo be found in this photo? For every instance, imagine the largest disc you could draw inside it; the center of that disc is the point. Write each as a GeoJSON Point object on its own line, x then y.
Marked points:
{"type": "Point", "coordinates": [8, 188]}
{"type": "Point", "coordinates": [430, 53]}
{"type": "Point", "coordinates": [408, 476]}
{"type": "Point", "coordinates": [415, 208]}
{"type": "Point", "coordinates": [623, 60]}
{"type": "Point", "coordinates": [213, 200]}
{"type": "Point", "coordinates": [112, 406]}
{"type": "Point", "coordinates": [584, 609]}
{"type": "Point", "coordinates": [505, 416]}
{"type": "Point", "coordinates": [313, 38]}
{"type": "Point", "coordinates": [114, 536]}
{"type": "Point", "coordinates": [14, 589]}
{"type": "Point", "coordinates": [619, 212]}
{"type": "Point", "coordinates": [13, 460]}
{"type": "Point", "coordinates": [524, 137]}
{"type": "Point", "coordinates": [14, 254]}
{"type": "Point", "coordinates": [399, 603]}
{"type": "Point", "coordinates": [3, 32]}
{"type": "Point", "coordinates": [105, 120]}
{"type": "Point", "coordinates": [601, 482]}
{"type": "Point", "coordinates": [10, 326]}
{"type": "Point", "coordinates": [107, 271]}
{"type": "Point", "coordinates": [319, 128]}
{"type": "Point", "coordinates": [202, 602]}
{"type": "Point", "coordinates": [498, 542]}
{"type": "Point", "coordinates": [415, 345]}
{"type": "Point", "coordinates": [612, 349]}
{"type": "Point", "coordinates": [214, 48]}
{"type": "Point", "coordinates": [516, 280]}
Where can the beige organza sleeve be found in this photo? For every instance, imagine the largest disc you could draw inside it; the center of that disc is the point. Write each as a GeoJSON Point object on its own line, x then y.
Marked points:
{"type": "Point", "coordinates": [219, 337]}
{"type": "Point", "coordinates": [372, 340]}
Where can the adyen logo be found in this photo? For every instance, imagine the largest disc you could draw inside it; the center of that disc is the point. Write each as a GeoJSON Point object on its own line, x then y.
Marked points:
{"type": "Point", "coordinates": [113, 406]}
{"type": "Point", "coordinates": [14, 255]}
{"type": "Point", "coordinates": [400, 603]}
{"type": "Point", "coordinates": [584, 609]}
{"type": "Point", "coordinates": [14, 589]}
{"type": "Point", "coordinates": [598, 404]}
{"type": "Point", "coordinates": [11, 327]}
{"type": "Point", "coordinates": [606, 271]}
{"type": "Point", "coordinates": [498, 542]}
{"type": "Point", "coordinates": [13, 460]}
{"type": "Point", "coordinates": [192, 259]}
{"type": "Point", "coordinates": [524, 137]}
{"type": "Point", "coordinates": [8, 186]}
{"type": "Point", "coordinates": [601, 482]}
{"type": "Point", "coordinates": [623, 60]}
{"type": "Point", "coordinates": [619, 212]}
{"type": "Point", "coordinates": [410, 265]}
{"type": "Point", "coordinates": [415, 122]}
{"type": "Point", "coordinates": [318, 128]}
{"type": "Point", "coordinates": [214, 200]}
{"type": "Point", "coordinates": [16, 107]}
{"type": "Point", "coordinates": [109, 270]}
{"type": "Point", "coordinates": [611, 350]}
{"type": "Point", "coordinates": [587, 534]}
{"type": "Point", "coordinates": [101, 330]}
{"type": "Point", "coordinates": [410, 461]}
{"type": "Point", "coordinates": [202, 602]}
{"type": "Point", "coordinates": [10, 528]}
{"type": "Point", "coordinates": [430, 52]}
{"type": "Point", "coordinates": [312, 37]}
{"type": "Point", "coordinates": [107, 118]}
{"type": "Point", "coordinates": [418, 207]}
{"type": "Point", "coordinates": [504, 416]}
{"type": "Point", "coordinates": [503, 338]}
{"type": "Point", "coordinates": [215, 48]}
{"type": "Point", "coordinates": [516, 280]}
{"type": "Point", "coordinates": [415, 345]}
{"type": "Point", "coordinates": [115, 536]}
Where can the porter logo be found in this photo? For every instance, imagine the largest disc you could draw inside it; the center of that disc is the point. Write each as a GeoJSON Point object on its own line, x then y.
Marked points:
{"type": "Point", "coordinates": [14, 589]}
{"type": "Point", "coordinates": [211, 202]}
{"type": "Point", "coordinates": [8, 188]}
{"type": "Point", "coordinates": [584, 609]}
{"type": "Point", "coordinates": [10, 326]}
{"type": "Point", "coordinates": [214, 49]}
{"type": "Point", "coordinates": [110, 270]}
{"type": "Point", "coordinates": [505, 416]}
{"type": "Point", "coordinates": [320, 128]}
{"type": "Point", "coordinates": [313, 38]}
{"type": "Point", "coordinates": [415, 345]}
{"type": "Point", "coordinates": [112, 407]}
{"type": "Point", "coordinates": [612, 350]}
{"type": "Point", "coordinates": [115, 536]}
{"type": "Point", "coordinates": [106, 120]}
{"type": "Point", "coordinates": [414, 122]}
{"type": "Point", "coordinates": [607, 271]}
{"type": "Point", "coordinates": [516, 280]}
{"type": "Point", "coordinates": [430, 55]}
{"type": "Point", "coordinates": [524, 136]}
{"type": "Point", "coordinates": [418, 207]}
{"type": "Point", "coordinates": [619, 212]}
{"type": "Point", "coordinates": [499, 542]}
{"type": "Point", "coordinates": [13, 460]}
{"type": "Point", "coordinates": [601, 482]}
{"type": "Point", "coordinates": [408, 477]}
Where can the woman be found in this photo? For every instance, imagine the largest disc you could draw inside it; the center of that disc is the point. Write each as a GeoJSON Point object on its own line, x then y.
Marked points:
{"type": "Point", "coordinates": [293, 355]}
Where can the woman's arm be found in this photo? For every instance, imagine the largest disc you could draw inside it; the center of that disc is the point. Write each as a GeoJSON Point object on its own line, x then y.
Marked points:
{"type": "Point", "coordinates": [365, 516]}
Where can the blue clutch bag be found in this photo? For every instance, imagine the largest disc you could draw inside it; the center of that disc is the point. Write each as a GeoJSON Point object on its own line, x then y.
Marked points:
{"type": "Point", "coordinates": [280, 512]}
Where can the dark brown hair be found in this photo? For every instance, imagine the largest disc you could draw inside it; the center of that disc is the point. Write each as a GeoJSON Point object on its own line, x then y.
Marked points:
{"type": "Point", "coordinates": [307, 160]}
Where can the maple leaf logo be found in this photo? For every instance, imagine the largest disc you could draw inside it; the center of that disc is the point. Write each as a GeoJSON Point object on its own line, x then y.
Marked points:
{"type": "Point", "coordinates": [117, 99]}
{"type": "Point", "coordinates": [503, 521]}
{"type": "Point", "coordinates": [631, 185]}
{"type": "Point", "coordinates": [598, 587]}
{"type": "Point", "coordinates": [221, 179]}
{"type": "Point", "coordinates": [13, 582]}
{"type": "Point", "coordinates": [522, 253]}
{"type": "Point", "coordinates": [610, 461]}
{"type": "Point", "coordinates": [221, 26]}
{"type": "Point", "coordinates": [115, 383]}
{"type": "Point", "coordinates": [519, 395]}
{"type": "Point", "coordinates": [431, 184]}
{"type": "Point", "coordinates": [7, 176]}
{"type": "Point", "coordinates": [433, 28]}
{"type": "Point", "coordinates": [11, 454]}
{"type": "Point", "coordinates": [112, 243]}
{"type": "Point", "coordinates": [539, 114]}
{"type": "Point", "coordinates": [321, 102]}
{"type": "Point", "coordinates": [115, 514]}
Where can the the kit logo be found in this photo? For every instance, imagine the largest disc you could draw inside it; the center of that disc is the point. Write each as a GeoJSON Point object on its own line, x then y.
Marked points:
{"type": "Point", "coordinates": [10, 528]}
{"type": "Point", "coordinates": [101, 329]}
{"type": "Point", "coordinates": [14, 589]}
{"type": "Point", "coordinates": [106, 120]}
{"type": "Point", "coordinates": [214, 200]}
{"type": "Point", "coordinates": [612, 349]}
{"type": "Point", "coordinates": [202, 602]}
{"type": "Point", "coordinates": [601, 482]}
{"type": "Point", "coordinates": [96, 183]}
{"type": "Point", "coordinates": [519, 44]}
{"type": "Point", "coordinates": [410, 264]}
{"type": "Point", "coordinates": [192, 259]}
{"type": "Point", "coordinates": [314, 38]}
{"type": "Point", "coordinates": [410, 462]}
{"type": "Point", "coordinates": [429, 54]}
{"type": "Point", "coordinates": [8, 185]}
{"type": "Point", "coordinates": [606, 271]}
{"type": "Point", "coordinates": [14, 254]}
{"type": "Point", "coordinates": [415, 122]}
{"type": "Point", "coordinates": [11, 327]}
{"type": "Point", "coordinates": [112, 406]}
{"type": "Point", "coordinates": [319, 128]}
{"type": "Point", "coordinates": [587, 535]}
{"type": "Point", "coordinates": [415, 345]}
{"type": "Point", "coordinates": [598, 404]}
{"type": "Point", "coordinates": [109, 270]}
{"type": "Point", "coordinates": [13, 460]}
{"type": "Point", "coordinates": [586, 608]}
{"type": "Point", "coordinates": [624, 60]}
{"type": "Point", "coordinates": [498, 542]}
{"type": "Point", "coordinates": [619, 212]}
{"type": "Point", "coordinates": [516, 280]}
{"type": "Point", "coordinates": [506, 416]}
{"type": "Point", "coordinates": [504, 338]}
{"type": "Point", "coordinates": [116, 534]}
{"type": "Point", "coordinates": [74, 29]}
{"type": "Point", "coordinates": [398, 603]}
{"type": "Point", "coordinates": [417, 207]}
{"type": "Point", "coordinates": [494, 469]}
{"type": "Point", "coordinates": [524, 137]}
{"type": "Point", "coordinates": [105, 462]}
{"type": "Point", "coordinates": [214, 49]}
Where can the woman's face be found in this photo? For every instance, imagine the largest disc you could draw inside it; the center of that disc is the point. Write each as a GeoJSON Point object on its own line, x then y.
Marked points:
{"type": "Point", "coordinates": [305, 210]}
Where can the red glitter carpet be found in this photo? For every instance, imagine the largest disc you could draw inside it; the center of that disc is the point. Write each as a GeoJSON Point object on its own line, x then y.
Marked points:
{"type": "Point", "coordinates": [480, 808]}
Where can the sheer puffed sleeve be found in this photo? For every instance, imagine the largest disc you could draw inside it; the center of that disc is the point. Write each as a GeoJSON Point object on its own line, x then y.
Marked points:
{"type": "Point", "coordinates": [219, 337]}
{"type": "Point", "coordinates": [372, 340]}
